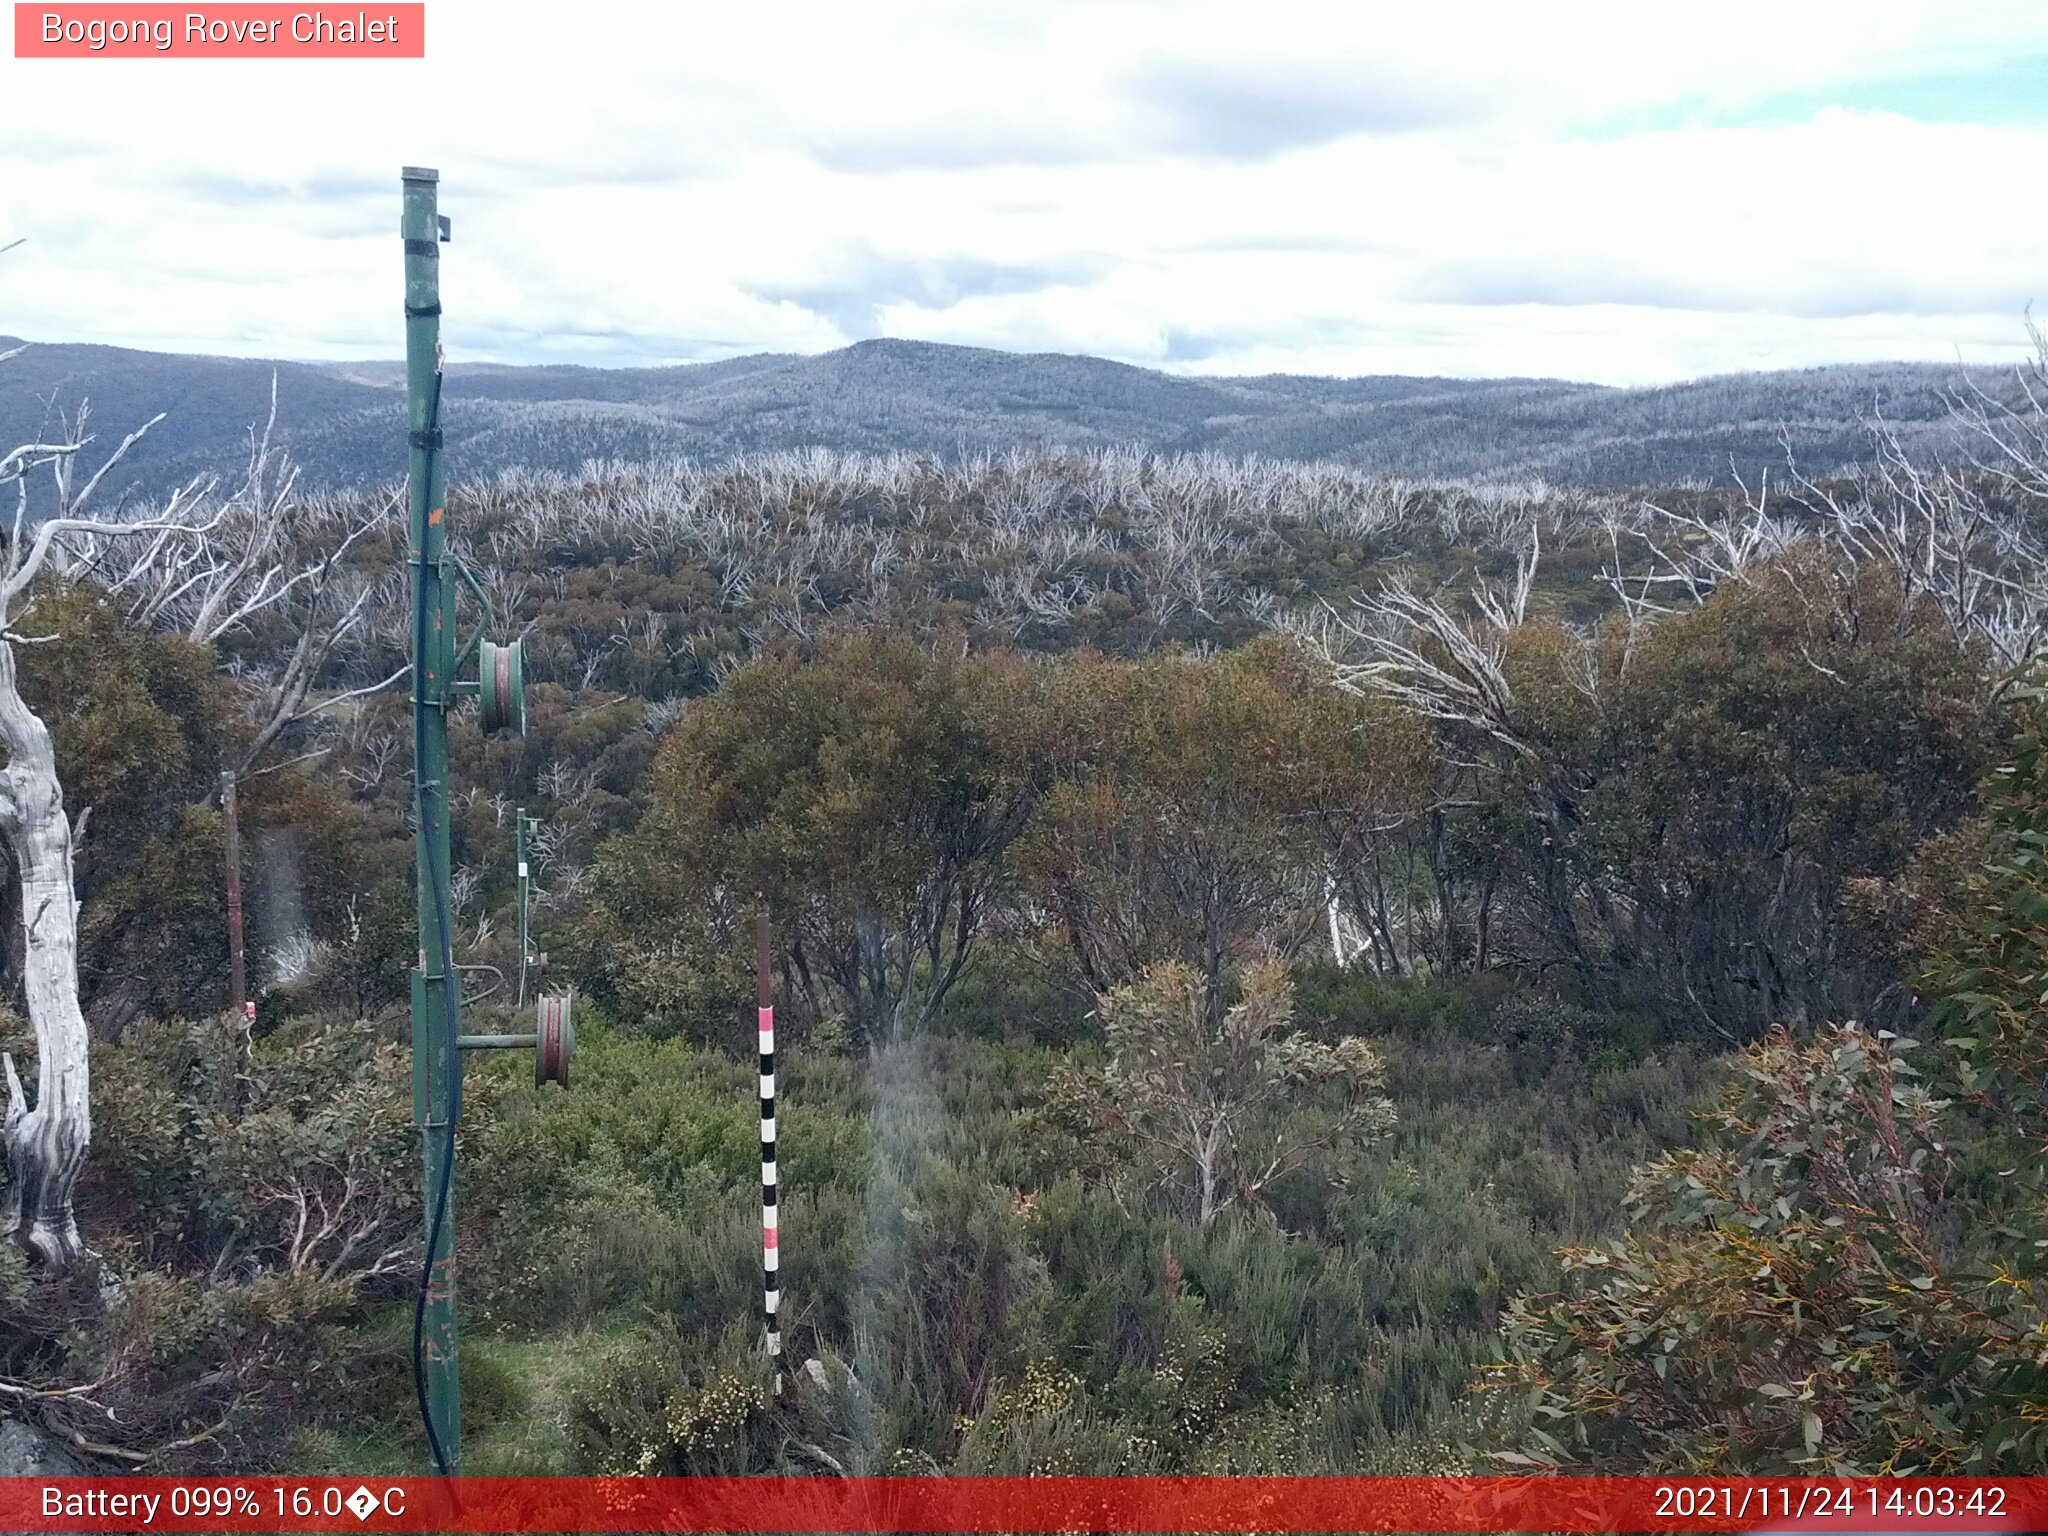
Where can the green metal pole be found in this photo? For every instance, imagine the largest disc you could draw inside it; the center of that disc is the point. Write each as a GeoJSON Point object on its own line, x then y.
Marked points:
{"type": "Point", "coordinates": [437, 1064]}
{"type": "Point", "coordinates": [525, 945]}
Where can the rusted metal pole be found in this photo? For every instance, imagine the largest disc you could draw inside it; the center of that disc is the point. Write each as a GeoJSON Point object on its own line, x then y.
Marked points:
{"type": "Point", "coordinates": [238, 975]}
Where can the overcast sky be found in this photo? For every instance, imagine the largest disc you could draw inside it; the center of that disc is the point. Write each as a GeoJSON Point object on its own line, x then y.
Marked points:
{"type": "Point", "coordinates": [1627, 193]}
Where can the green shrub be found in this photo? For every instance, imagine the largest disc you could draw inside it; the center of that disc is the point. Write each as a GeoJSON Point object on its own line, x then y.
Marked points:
{"type": "Point", "coordinates": [1043, 1424]}
{"type": "Point", "coordinates": [258, 1206]}
{"type": "Point", "coordinates": [1333, 1001]}
{"type": "Point", "coordinates": [1033, 993]}
{"type": "Point", "coordinates": [657, 1403]}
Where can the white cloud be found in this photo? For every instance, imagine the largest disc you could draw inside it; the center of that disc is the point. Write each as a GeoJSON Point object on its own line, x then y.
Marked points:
{"type": "Point", "coordinates": [1213, 186]}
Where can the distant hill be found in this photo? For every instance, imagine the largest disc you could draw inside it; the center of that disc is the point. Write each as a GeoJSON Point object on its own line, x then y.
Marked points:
{"type": "Point", "coordinates": [343, 420]}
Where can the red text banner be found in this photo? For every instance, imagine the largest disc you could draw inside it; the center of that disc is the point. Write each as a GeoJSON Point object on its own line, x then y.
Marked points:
{"type": "Point", "coordinates": [1051, 1504]}
{"type": "Point", "coordinates": [225, 31]}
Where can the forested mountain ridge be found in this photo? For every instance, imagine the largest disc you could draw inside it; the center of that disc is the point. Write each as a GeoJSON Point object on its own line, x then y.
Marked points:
{"type": "Point", "coordinates": [341, 420]}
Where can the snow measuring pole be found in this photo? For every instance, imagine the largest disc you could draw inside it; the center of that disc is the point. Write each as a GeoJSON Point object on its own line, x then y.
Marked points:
{"type": "Point", "coordinates": [771, 1212]}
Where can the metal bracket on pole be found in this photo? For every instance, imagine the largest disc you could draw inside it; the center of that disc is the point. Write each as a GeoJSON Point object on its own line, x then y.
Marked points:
{"type": "Point", "coordinates": [500, 683]}
{"type": "Point", "coordinates": [488, 623]}
{"type": "Point", "coordinates": [553, 1041]}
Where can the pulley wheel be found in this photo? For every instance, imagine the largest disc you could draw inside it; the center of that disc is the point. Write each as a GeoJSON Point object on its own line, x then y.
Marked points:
{"type": "Point", "coordinates": [501, 687]}
{"type": "Point", "coordinates": [555, 1042]}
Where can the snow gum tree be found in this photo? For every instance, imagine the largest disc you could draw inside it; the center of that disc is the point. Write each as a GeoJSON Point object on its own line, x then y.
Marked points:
{"type": "Point", "coordinates": [47, 1138]}
{"type": "Point", "coordinates": [1226, 1103]}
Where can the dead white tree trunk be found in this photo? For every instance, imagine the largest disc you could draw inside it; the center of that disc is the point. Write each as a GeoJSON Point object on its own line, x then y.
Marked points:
{"type": "Point", "coordinates": [46, 1144]}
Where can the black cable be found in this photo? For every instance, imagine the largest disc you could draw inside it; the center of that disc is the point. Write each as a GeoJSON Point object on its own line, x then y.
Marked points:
{"type": "Point", "coordinates": [437, 878]}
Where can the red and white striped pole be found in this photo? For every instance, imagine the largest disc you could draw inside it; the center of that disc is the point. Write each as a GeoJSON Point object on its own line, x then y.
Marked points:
{"type": "Point", "coordinates": [771, 1295]}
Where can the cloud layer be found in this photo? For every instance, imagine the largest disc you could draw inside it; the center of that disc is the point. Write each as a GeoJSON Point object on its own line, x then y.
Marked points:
{"type": "Point", "coordinates": [1617, 193]}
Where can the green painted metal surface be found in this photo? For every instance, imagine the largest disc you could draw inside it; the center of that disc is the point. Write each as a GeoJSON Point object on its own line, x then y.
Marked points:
{"type": "Point", "coordinates": [526, 826]}
{"type": "Point", "coordinates": [437, 1064]}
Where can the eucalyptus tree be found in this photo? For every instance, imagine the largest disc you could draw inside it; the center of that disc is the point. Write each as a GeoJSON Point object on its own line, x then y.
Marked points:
{"type": "Point", "coordinates": [868, 796]}
{"type": "Point", "coordinates": [1220, 1103]}
{"type": "Point", "coordinates": [1201, 808]}
{"type": "Point", "coordinates": [1685, 786]}
{"type": "Point", "coordinates": [202, 565]}
{"type": "Point", "coordinates": [47, 1140]}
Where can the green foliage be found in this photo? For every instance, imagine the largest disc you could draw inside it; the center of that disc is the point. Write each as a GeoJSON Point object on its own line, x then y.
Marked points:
{"type": "Point", "coordinates": [867, 796]}
{"type": "Point", "coordinates": [321, 876]}
{"type": "Point", "coordinates": [297, 1156]}
{"type": "Point", "coordinates": [1988, 976]}
{"type": "Point", "coordinates": [962, 849]}
{"type": "Point", "coordinates": [1334, 1000]}
{"type": "Point", "coordinates": [940, 1256]}
{"type": "Point", "coordinates": [1220, 1105]}
{"type": "Point", "coordinates": [254, 1206]}
{"type": "Point", "coordinates": [1849, 1275]}
{"type": "Point", "coordinates": [1167, 808]}
{"type": "Point", "coordinates": [1197, 803]}
{"type": "Point", "coordinates": [1046, 1424]}
{"type": "Point", "coordinates": [140, 724]}
{"type": "Point", "coordinates": [655, 1403]}
{"type": "Point", "coordinates": [1787, 1299]}
{"type": "Point", "coordinates": [1681, 822]}
{"type": "Point", "coordinates": [1027, 989]}
{"type": "Point", "coordinates": [629, 1190]}
{"type": "Point", "coordinates": [1754, 756]}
